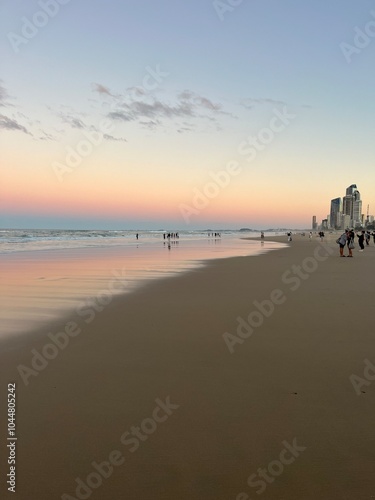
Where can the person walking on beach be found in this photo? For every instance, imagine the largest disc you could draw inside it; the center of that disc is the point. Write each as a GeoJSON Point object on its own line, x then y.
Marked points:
{"type": "Point", "coordinates": [367, 238]}
{"type": "Point", "coordinates": [342, 242]}
{"type": "Point", "coordinates": [350, 242]}
{"type": "Point", "coordinates": [361, 240]}
{"type": "Point", "coordinates": [262, 235]}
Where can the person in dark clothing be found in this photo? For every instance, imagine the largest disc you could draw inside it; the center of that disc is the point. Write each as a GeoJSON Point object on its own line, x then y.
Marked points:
{"type": "Point", "coordinates": [361, 240]}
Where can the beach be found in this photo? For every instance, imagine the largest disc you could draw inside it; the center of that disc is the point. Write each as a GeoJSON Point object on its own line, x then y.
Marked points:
{"type": "Point", "coordinates": [244, 378]}
{"type": "Point", "coordinates": [48, 274]}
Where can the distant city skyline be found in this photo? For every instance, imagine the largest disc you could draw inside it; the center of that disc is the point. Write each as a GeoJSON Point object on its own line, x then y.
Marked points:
{"type": "Point", "coordinates": [348, 211]}
{"type": "Point", "coordinates": [148, 115]}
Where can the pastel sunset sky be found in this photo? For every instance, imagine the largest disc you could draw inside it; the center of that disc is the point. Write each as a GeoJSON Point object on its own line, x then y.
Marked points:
{"type": "Point", "coordinates": [121, 114]}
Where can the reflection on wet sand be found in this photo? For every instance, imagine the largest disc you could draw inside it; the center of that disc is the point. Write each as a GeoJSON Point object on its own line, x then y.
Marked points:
{"type": "Point", "coordinates": [39, 286]}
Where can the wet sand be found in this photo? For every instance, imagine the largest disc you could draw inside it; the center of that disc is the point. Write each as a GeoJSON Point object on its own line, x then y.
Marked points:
{"type": "Point", "coordinates": [148, 384]}
{"type": "Point", "coordinates": [43, 285]}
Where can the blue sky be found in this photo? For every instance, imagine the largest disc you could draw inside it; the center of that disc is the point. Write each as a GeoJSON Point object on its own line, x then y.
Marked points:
{"type": "Point", "coordinates": [222, 79]}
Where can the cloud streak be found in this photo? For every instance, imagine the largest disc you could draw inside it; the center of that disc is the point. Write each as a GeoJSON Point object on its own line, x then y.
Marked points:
{"type": "Point", "coordinates": [73, 121]}
{"type": "Point", "coordinates": [187, 111]}
{"type": "Point", "coordinates": [109, 137]}
{"type": "Point", "coordinates": [151, 112]}
{"type": "Point", "coordinates": [155, 109]}
{"type": "Point", "coordinates": [101, 89]}
{"type": "Point", "coordinates": [7, 123]}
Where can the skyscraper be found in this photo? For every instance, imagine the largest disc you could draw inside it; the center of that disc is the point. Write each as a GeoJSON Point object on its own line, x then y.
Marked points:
{"type": "Point", "coordinates": [351, 189]}
{"type": "Point", "coordinates": [357, 209]}
{"type": "Point", "coordinates": [352, 205]}
{"type": "Point", "coordinates": [335, 213]}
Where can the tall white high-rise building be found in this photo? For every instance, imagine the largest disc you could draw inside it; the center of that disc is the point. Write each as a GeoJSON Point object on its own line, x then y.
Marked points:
{"type": "Point", "coordinates": [352, 205]}
{"type": "Point", "coordinates": [357, 209]}
{"type": "Point", "coordinates": [345, 221]}
{"type": "Point", "coordinates": [335, 213]}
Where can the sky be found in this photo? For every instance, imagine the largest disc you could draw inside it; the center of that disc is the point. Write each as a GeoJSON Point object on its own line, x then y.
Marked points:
{"type": "Point", "coordinates": [125, 114]}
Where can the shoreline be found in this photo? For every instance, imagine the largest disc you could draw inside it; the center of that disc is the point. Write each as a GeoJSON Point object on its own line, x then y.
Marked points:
{"type": "Point", "coordinates": [289, 379]}
{"type": "Point", "coordinates": [44, 286]}
{"type": "Point", "coordinates": [54, 240]}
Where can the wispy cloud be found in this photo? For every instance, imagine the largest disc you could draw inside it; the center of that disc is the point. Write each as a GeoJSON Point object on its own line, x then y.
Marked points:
{"type": "Point", "coordinates": [101, 89]}
{"type": "Point", "coordinates": [67, 115]}
{"type": "Point", "coordinates": [46, 136]}
{"type": "Point", "coordinates": [151, 112]}
{"type": "Point", "coordinates": [187, 111]}
{"type": "Point", "coordinates": [151, 124]}
{"type": "Point", "coordinates": [109, 137]}
{"type": "Point", "coordinates": [120, 115]}
{"type": "Point", "coordinates": [198, 100]}
{"type": "Point", "coordinates": [7, 123]}
{"type": "Point", "coordinates": [181, 130]}
{"type": "Point", "coordinates": [14, 122]}
{"type": "Point", "coordinates": [160, 109]}
{"type": "Point", "coordinates": [137, 91]}
{"type": "Point", "coordinates": [154, 110]}
{"type": "Point", "coordinates": [73, 121]}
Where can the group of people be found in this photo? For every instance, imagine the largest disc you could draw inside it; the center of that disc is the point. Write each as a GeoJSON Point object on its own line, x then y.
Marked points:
{"type": "Point", "coordinates": [365, 237]}
{"type": "Point", "coordinates": [170, 235]}
{"type": "Point", "coordinates": [347, 239]}
{"type": "Point", "coordinates": [165, 236]}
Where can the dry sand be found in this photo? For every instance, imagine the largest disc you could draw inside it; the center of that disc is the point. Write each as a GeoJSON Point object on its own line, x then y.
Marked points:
{"type": "Point", "coordinates": [237, 412]}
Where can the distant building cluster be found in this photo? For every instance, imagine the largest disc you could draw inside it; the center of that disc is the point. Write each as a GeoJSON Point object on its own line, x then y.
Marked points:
{"type": "Point", "coordinates": [346, 212]}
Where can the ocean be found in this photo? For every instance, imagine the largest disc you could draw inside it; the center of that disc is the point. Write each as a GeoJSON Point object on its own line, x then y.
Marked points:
{"type": "Point", "coordinates": [17, 240]}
